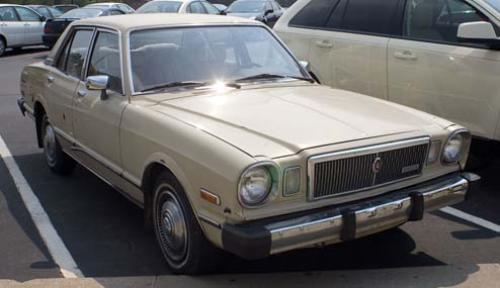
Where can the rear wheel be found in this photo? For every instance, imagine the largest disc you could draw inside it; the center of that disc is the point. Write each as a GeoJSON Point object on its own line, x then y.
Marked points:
{"type": "Point", "coordinates": [179, 235]}
{"type": "Point", "coordinates": [56, 159]}
{"type": "Point", "coordinates": [3, 46]}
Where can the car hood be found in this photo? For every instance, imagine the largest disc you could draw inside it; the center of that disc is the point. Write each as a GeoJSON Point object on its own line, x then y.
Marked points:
{"type": "Point", "coordinates": [281, 121]}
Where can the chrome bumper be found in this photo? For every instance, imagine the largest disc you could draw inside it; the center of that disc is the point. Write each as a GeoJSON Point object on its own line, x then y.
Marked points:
{"type": "Point", "coordinates": [335, 224]}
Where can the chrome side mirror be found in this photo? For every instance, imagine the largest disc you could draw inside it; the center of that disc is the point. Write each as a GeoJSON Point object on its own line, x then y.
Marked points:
{"type": "Point", "coordinates": [305, 65]}
{"type": "Point", "coordinates": [98, 83]}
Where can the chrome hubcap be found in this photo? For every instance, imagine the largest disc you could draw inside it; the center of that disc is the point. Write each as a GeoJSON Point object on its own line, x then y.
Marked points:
{"type": "Point", "coordinates": [172, 227]}
{"type": "Point", "coordinates": [49, 144]}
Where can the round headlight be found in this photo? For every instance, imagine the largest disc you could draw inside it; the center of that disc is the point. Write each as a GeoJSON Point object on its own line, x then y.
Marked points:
{"type": "Point", "coordinates": [455, 148]}
{"type": "Point", "coordinates": [255, 185]}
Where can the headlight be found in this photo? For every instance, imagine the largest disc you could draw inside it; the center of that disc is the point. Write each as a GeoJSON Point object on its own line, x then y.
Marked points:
{"type": "Point", "coordinates": [256, 183]}
{"type": "Point", "coordinates": [456, 148]}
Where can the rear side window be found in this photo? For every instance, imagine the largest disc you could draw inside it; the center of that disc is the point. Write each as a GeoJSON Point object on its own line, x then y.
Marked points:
{"type": "Point", "coordinates": [27, 15]}
{"type": "Point", "coordinates": [78, 52]}
{"type": "Point", "coordinates": [8, 14]}
{"type": "Point", "coordinates": [314, 14]}
{"type": "Point", "coordinates": [196, 8]}
{"type": "Point", "coordinates": [371, 16]}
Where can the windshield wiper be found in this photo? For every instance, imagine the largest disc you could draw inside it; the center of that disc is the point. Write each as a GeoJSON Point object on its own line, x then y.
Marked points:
{"type": "Point", "coordinates": [175, 84]}
{"type": "Point", "coordinates": [273, 76]}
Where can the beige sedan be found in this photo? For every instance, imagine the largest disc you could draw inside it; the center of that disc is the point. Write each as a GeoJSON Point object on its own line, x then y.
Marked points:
{"type": "Point", "coordinates": [213, 127]}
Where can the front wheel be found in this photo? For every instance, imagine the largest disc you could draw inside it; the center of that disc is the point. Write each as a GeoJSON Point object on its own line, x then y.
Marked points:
{"type": "Point", "coordinates": [58, 161]}
{"type": "Point", "coordinates": [179, 235]}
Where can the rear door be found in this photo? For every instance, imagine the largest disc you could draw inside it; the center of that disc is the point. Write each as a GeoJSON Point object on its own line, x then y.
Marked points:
{"type": "Point", "coordinates": [33, 25]}
{"type": "Point", "coordinates": [64, 77]}
{"type": "Point", "coordinates": [357, 37]}
{"type": "Point", "coordinates": [429, 69]}
{"type": "Point", "coordinates": [10, 26]}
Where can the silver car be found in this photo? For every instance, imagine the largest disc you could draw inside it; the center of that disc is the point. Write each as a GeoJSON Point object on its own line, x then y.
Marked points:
{"type": "Point", "coordinates": [19, 26]}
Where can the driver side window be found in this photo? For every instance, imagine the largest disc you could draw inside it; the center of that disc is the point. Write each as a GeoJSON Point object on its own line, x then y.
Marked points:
{"type": "Point", "coordinates": [105, 60]}
{"type": "Point", "coordinates": [438, 20]}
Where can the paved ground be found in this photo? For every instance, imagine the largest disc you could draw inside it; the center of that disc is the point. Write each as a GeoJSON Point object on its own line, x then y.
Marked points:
{"type": "Point", "coordinates": [104, 234]}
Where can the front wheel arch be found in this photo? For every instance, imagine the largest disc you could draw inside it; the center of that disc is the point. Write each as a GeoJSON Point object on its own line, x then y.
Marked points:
{"type": "Point", "coordinates": [39, 112]}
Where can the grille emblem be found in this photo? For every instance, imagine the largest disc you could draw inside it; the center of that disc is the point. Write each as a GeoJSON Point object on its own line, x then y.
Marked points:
{"type": "Point", "coordinates": [377, 165]}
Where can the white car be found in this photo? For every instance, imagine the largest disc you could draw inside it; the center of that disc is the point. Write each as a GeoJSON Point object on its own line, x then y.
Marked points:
{"type": "Point", "coordinates": [122, 6]}
{"type": "Point", "coordinates": [19, 26]}
{"type": "Point", "coordinates": [440, 56]}
{"type": "Point", "coordinates": [179, 6]}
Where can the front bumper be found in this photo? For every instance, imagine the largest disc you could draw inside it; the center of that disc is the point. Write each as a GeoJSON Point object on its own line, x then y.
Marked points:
{"type": "Point", "coordinates": [339, 223]}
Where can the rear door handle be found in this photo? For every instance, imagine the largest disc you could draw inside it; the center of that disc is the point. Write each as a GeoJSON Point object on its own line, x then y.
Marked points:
{"type": "Point", "coordinates": [50, 79]}
{"type": "Point", "coordinates": [324, 44]}
{"type": "Point", "coordinates": [405, 55]}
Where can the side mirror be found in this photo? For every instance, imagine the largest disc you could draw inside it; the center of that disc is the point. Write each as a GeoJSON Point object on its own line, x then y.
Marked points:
{"type": "Point", "coordinates": [222, 12]}
{"type": "Point", "coordinates": [478, 32]}
{"type": "Point", "coordinates": [98, 83]}
{"type": "Point", "coordinates": [268, 12]}
{"type": "Point", "coordinates": [43, 18]}
{"type": "Point", "coordinates": [305, 65]}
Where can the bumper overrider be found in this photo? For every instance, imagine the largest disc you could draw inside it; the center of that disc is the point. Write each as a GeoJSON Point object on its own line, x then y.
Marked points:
{"type": "Point", "coordinates": [340, 223]}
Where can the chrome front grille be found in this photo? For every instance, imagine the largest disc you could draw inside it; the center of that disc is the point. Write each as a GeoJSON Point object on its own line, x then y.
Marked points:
{"type": "Point", "coordinates": [350, 171]}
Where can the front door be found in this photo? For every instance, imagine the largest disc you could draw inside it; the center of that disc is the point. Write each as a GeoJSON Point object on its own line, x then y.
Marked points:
{"type": "Point", "coordinates": [432, 71]}
{"type": "Point", "coordinates": [97, 117]}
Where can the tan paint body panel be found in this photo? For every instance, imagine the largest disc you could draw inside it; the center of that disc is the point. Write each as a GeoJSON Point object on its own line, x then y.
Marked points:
{"type": "Point", "coordinates": [207, 137]}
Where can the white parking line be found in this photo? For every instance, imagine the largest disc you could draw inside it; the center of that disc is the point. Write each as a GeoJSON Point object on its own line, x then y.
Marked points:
{"type": "Point", "coordinates": [57, 249]}
{"type": "Point", "coordinates": [471, 218]}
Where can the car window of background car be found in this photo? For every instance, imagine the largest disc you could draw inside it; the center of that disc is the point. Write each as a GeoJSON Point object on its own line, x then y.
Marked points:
{"type": "Point", "coordinates": [82, 13]}
{"type": "Point", "coordinates": [494, 3]}
{"type": "Point", "coordinates": [160, 6]}
{"type": "Point", "coordinates": [116, 12]}
{"type": "Point", "coordinates": [366, 16]}
{"type": "Point", "coordinates": [8, 14]}
{"type": "Point", "coordinates": [126, 8]}
{"type": "Point", "coordinates": [275, 5]}
{"type": "Point", "coordinates": [55, 12]}
{"type": "Point", "coordinates": [437, 20]}
{"type": "Point", "coordinates": [105, 60]}
{"type": "Point", "coordinates": [43, 11]}
{"type": "Point", "coordinates": [196, 8]}
{"type": "Point", "coordinates": [246, 6]}
{"type": "Point", "coordinates": [27, 15]}
{"type": "Point", "coordinates": [314, 14]}
{"type": "Point", "coordinates": [78, 52]}
{"type": "Point", "coordinates": [206, 54]}
{"type": "Point", "coordinates": [210, 8]}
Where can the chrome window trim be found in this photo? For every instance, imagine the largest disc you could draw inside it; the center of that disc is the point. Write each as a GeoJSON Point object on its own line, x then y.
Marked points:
{"type": "Point", "coordinates": [358, 152]}
{"type": "Point", "coordinates": [187, 25]}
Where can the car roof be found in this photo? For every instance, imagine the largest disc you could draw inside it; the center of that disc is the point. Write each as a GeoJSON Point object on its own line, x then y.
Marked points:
{"type": "Point", "coordinates": [3, 5]}
{"type": "Point", "coordinates": [103, 4]}
{"type": "Point", "coordinates": [132, 21]}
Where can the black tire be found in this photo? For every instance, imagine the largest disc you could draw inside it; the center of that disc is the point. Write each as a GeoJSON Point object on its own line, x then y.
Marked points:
{"type": "Point", "coordinates": [3, 46]}
{"type": "Point", "coordinates": [58, 161]}
{"type": "Point", "coordinates": [189, 254]}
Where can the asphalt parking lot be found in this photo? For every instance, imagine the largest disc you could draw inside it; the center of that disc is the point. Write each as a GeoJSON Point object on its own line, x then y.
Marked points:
{"type": "Point", "coordinates": [104, 234]}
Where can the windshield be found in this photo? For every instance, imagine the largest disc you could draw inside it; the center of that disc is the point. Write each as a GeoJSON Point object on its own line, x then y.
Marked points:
{"type": "Point", "coordinates": [82, 13]}
{"type": "Point", "coordinates": [160, 7]}
{"type": "Point", "coordinates": [206, 54]}
{"type": "Point", "coordinates": [246, 7]}
{"type": "Point", "coordinates": [494, 3]}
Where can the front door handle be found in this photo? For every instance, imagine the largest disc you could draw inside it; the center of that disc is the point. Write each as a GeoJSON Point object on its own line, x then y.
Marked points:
{"type": "Point", "coordinates": [50, 79]}
{"type": "Point", "coordinates": [82, 93]}
{"type": "Point", "coordinates": [324, 44]}
{"type": "Point", "coordinates": [405, 55]}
